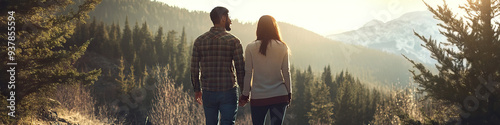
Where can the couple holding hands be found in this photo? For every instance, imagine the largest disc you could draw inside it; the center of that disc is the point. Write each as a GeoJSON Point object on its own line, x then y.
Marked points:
{"type": "Point", "coordinates": [263, 74]}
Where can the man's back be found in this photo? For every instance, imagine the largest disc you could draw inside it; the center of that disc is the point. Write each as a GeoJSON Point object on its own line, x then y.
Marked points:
{"type": "Point", "coordinates": [213, 55]}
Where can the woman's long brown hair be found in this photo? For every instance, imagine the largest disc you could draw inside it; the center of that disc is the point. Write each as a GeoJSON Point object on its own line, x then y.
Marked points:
{"type": "Point", "coordinates": [267, 30]}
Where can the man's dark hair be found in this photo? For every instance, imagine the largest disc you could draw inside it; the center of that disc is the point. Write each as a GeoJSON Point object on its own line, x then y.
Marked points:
{"type": "Point", "coordinates": [217, 13]}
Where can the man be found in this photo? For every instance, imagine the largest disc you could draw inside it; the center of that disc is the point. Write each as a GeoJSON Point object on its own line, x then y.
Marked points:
{"type": "Point", "coordinates": [213, 56]}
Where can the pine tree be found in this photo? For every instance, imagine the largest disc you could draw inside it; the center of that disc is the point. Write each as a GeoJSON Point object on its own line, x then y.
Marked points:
{"type": "Point", "coordinates": [126, 42]}
{"type": "Point", "coordinates": [101, 39]}
{"type": "Point", "coordinates": [170, 49]}
{"type": "Point", "coordinates": [42, 62]}
{"type": "Point", "coordinates": [84, 34]}
{"type": "Point", "coordinates": [145, 51]}
{"type": "Point", "coordinates": [301, 102]}
{"type": "Point", "coordinates": [298, 98]}
{"type": "Point", "coordinates": [345, 100]}
{"type": "Point", "coordinates": [136, 38]}
{"type": "Point", "coordinates": [131, 81]}
{"type": "Point", "coordinates": [327, 76]}
{"type": "Point", "coordinates": [181, 52]}
{"type": "Point", "coordinates": [92, 34]}
{"type": "Point", "coordinates": [118, 32]}
{"type": "Point", "coordinates": [136, 63]}
{"type": "Point", "coordinates": [468, 63]}
{"type": "Point", "coordinates": [114, 44]}
{"type": "Point", "coordinates": [158, 43]}
{"type": "Point", "coordinates": [321, 106]}
{"type": "Point", "coordinates": [181, 59]}
{"type": "Point", "coordinates": [122, 78]}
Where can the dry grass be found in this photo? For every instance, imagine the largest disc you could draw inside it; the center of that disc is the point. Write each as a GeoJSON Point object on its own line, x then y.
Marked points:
{"type": "Point", "coordinates": [75, 106]}
{"type": "Point", "coordinates": [406, 106]}
{"type": "Point", "coordinates": [400, 102]}
{"type": "Point", "coordinates": [78, 106]}
{"type": "Point", "coordinates": [171, 105]}
{"type": "Point", "coordinates": [244, 119]}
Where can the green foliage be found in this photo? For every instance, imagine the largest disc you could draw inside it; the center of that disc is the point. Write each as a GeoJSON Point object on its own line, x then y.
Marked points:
{"type": "Point", "coordinates": [468, 69]}
{"type": "Point", "coordinates": [126, 42]}
{"type": "Point", "coordinates": [113, 46]}
{"type": "Point", "coordinates": [42, 60]}
{"type": "Point", "coordinates": [147, 51]}
{"type": "Point", "coordinates": [354, 103]}
{"type": "Point", "coordinates": [321, 111]}
{"type": "Point", "coordinates": [158, 44]}
{"type": "Point", "coordinates": [183, 56]}
{"type": "Point", "coordinates": [332, 100]}
{"type": "Point", "coordinates": [126, 82]}
{"type": "Point", "coordinates": [170, 49]}
{"type": "Point", "coordinates": [301, 101]}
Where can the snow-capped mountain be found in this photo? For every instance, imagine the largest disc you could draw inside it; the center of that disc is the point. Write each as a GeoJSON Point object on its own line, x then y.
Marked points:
{"type": "Point", "coordinates": [396, 36]}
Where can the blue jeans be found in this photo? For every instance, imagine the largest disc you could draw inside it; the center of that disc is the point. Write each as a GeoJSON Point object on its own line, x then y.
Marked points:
{"type": "Point", "coordinates": [277, 112]}
{"type": "Point", "coordinates": [225, 102]}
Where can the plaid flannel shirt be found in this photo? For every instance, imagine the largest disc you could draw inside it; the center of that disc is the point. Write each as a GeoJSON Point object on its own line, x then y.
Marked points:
{"type": "Point", "coordinates": [213, 56]}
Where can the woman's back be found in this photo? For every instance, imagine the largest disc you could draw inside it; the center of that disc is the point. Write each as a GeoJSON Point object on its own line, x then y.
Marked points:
{"type": "Point", "coordinates": [267, 74]}
{"type": "Point", "coordinates": [268, 70]}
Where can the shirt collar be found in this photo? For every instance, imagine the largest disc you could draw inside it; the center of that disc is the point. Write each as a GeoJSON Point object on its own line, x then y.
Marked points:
{"type": "Point", "coordinates": [218, 29]}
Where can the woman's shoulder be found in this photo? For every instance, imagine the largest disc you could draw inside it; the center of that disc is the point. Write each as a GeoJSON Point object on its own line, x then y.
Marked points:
{"type": "Point", "coordinates": [254, 43]}
{"type": "Point", "coordinates": [281, 44]}
{"type": "Point", "coordinates": [251, 45]}
{"type": "Point", "coordinates": [258, 42]}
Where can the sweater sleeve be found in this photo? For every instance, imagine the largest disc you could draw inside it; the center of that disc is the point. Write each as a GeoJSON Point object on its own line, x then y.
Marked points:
{"type": "Point", "coordinates": [285, 70]}
{"type": "Point", "coordinates": [248, 72]}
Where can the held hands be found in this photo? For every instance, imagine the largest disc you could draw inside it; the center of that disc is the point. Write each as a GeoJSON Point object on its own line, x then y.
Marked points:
{"type": "Point", "coordinates": [197, 97]}
{"type": "Point", "coordinates": [243, 100]}
{"type": "Point", "coordinates": [289, 100]}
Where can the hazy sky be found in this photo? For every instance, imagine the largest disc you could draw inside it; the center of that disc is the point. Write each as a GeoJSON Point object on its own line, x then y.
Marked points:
{"type": "Point", "coordinates": [324, 17]}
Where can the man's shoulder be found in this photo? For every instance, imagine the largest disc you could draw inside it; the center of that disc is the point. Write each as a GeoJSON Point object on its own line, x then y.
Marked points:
{"type": "Point", "coordinates": [230, 36]}
{"type": "Point", "coordinates": [225, 36]}
{"type": "Point", "coordinates": [204, 36]}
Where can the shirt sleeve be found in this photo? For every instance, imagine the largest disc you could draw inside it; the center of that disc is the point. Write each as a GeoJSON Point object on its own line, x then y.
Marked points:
{"type": "Point", "coordinates": [239, 63]}
{"type": "Point", "coordinates": [248, 72]}
{"type": "Point", "coordinates": [195, 68]}
{"type": "Point", "coordinates": [285, 70]}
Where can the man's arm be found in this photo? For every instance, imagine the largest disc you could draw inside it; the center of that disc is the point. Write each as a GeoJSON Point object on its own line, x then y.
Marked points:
{"type": "Point", "coordinates": [195, 68]}
{"type": "Point", "coordinates": [239, 63]}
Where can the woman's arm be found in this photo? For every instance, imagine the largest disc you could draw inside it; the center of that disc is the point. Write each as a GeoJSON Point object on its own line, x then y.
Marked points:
{"type": "Point", "coordinates": [247, 87]}
{"type": "Point", "coordinates": [285, 70]}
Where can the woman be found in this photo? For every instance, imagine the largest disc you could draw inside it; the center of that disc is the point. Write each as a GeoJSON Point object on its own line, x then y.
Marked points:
{"type": "Point", "coordinates": [267, 75]}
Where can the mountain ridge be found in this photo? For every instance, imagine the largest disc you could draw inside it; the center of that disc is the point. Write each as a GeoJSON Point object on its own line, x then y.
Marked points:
{"type": "Point", "coordinates": [396, 36]}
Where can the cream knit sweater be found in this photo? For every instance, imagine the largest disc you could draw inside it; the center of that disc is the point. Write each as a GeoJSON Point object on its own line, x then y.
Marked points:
{"type": "Point", "coordinates": [267, 76]}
